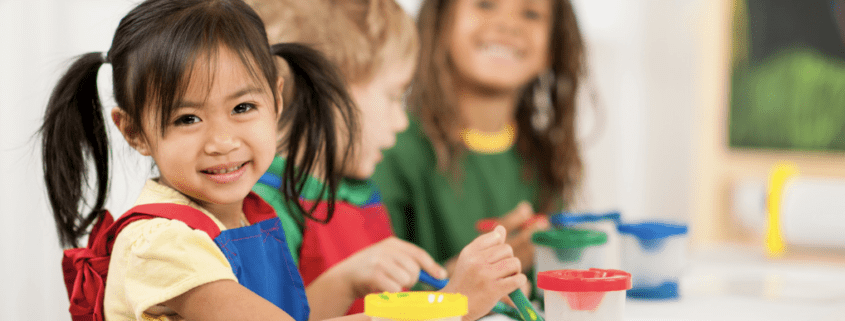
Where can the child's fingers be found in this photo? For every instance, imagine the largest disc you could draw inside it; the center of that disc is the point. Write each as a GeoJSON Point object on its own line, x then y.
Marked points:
{"type": "Point", "coordinates": [507, 300]}
{"type": "Point", "coordinates": [399, 274]}
{"type": "Point", "coordinates": [410, 267]}
{"type": "Point", "coordinates": [517, 216]}
{"type": "Point", "coordinates": [423, 260]}
{"type": "Point", "coordinates": [494, 237]}
{"type": "Point", "coordinates": [497, 253]}
{"type": "Point", "coordinates": [385, 283]}
{"type": "Point", "coordinates": [511, 283]}
{"type": "Point", "coordinates": [521, 239]}
{"type": "Point", "coordinates": [524, 235]}
{"type": "Point", "coordinates": [506, 267]}
{"type": "Point", "coordinates": [537, 222]}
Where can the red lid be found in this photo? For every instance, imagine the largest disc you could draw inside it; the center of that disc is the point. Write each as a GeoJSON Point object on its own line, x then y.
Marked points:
{"type": "Point", "coordinates": [592, 280]}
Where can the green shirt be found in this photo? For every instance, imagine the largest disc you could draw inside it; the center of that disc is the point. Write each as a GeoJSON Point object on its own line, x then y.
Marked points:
{"type": "Point", "coordinates": [438, 213]}
{"type": "Point", "coordinates": [349, 190]}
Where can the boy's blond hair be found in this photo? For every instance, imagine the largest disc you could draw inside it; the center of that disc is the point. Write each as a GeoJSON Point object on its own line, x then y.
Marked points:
{"type": "Point", "coordinates": [359, 36]}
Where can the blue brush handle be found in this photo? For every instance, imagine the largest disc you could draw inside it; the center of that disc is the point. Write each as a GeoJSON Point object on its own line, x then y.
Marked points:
{"type": "Point", "coordinates": [500, 307]}
{"type": "Point", "coordinates": [430, 280]}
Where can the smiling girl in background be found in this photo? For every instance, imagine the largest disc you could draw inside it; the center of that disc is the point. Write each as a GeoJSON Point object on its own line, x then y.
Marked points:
{"type": "Point", "coordinates": [492, 124]}
{"type": "Point", "coordinates": [198, 91]}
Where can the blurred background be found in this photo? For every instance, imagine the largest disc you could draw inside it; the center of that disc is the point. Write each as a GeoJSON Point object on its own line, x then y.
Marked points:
{"type": "Point", "coordinates": [688, 105]}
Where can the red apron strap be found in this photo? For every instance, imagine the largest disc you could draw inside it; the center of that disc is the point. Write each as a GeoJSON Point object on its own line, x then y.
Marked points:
{"type": "Point", "coordinates": [190, 216]}
{"type": "Point", "coordinates": [194, 218]}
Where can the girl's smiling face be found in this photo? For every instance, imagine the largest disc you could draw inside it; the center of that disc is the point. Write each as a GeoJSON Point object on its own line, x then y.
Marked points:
{"type": "Point", "coordinates": [499, 44]}
{"type": "Point", "coordinates": [221, 136]}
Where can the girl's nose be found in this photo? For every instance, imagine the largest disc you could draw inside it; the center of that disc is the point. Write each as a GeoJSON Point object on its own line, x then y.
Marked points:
{"type": "Point", "coordinates": [221, 143]}
{"type": "Point", "coordinates": [506, 20]}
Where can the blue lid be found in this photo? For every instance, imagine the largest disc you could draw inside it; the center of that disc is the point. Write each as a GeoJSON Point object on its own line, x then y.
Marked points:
{"type": "Point", "coordinates": [570, 219]}
{"type": "Point", "coordinates": [652, 230]}
{"type": "Point", "coordinates": [666, 290]}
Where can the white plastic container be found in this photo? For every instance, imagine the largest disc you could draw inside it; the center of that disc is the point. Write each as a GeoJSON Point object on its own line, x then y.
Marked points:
{"type": "Point", "coordinates": [655, 254]}
{"type": "Point", "coordinates": [606, 222]}
{"type": "Point", "coordinates": [584, 295]}
{"type": "Point", "coordinates": [416, 306]}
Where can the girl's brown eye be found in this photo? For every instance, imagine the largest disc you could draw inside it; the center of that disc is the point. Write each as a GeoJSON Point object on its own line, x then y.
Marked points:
{"type": "Point", "coordinates": [186, 120]}
{"type": "Point", "coordinates": [531, 14]}
{"type": "Point", "coordinates": [242, 108]}
{"type": "Point", "coordinates": [485, 4]}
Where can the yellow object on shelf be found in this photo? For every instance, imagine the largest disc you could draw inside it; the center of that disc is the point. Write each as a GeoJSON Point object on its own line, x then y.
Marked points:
{"type": "Point", "coordinates": [781, 173]}
{"type": "Point", "coordinates": [413, 306]}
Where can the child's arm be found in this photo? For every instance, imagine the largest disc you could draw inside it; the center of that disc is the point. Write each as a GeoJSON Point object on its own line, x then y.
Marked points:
{"type": "Point", "coordinates": [485, 271]}
{"type": "Point", "coordinates": [228, 300]}
{"type": "Point", "coordinates": [224, 300]}
{"type": "Point", "coordinates": [330, 294]}
{"type": "Point", "coordinates": [389, 265]}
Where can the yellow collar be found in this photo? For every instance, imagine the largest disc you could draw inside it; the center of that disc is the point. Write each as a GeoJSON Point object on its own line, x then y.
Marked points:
{"type": "Point", "coordinates": [489, 143]}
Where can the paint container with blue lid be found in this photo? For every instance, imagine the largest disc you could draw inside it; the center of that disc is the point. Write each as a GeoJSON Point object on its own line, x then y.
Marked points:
{"type": "Point", "coordinates": [655, 254]}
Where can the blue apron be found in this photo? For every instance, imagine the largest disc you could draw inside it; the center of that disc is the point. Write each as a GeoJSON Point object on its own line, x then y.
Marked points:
{"type": "Point", "coordinates": [260, 259]}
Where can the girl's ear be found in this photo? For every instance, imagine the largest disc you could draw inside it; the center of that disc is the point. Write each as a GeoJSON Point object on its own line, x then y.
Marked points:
{"type": "Point", "coordinates": [280, 103]}
{"type": "Point", "coordinates": [132, 135]}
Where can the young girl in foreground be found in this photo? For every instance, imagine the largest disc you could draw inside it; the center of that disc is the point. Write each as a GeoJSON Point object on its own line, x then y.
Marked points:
{"type": "Point", "coordinates": [375, 44]}
{"type": "Point", "coordinates": [492, 130]}
{"type": "Point", "coordinates": [197, 90]}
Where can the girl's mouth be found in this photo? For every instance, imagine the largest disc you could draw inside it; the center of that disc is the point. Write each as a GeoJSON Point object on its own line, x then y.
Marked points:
{"type": "Point", "coordinates": [500, 51]}
{"type": "Point", "coordinates": [226, 173]}
{"type": "Point", "coordinates": [224, 170]}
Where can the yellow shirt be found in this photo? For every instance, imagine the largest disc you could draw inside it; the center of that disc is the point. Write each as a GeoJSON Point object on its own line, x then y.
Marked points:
{"type": "Point", "coordinates": [159, 259]}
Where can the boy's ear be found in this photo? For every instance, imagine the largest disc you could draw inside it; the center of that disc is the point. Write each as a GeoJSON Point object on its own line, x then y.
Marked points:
{"type": "Point", "coordinates": [133, 136]}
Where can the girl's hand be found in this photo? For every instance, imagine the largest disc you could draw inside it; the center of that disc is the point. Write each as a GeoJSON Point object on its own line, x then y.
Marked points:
{"type": "Point", "coordinates": [519, 235]}
{"type": "Point", "coordinates": [485, 271]}
{"type": "Point", "coordinates": [389, 265]}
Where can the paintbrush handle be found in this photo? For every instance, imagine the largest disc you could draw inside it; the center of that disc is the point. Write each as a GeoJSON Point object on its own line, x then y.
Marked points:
{"type": "Point", "coordinates": [526, 309]}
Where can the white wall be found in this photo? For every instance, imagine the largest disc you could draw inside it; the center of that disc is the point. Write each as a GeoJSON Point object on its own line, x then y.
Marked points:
{"type": "Point", "coordinates": [643, 62]}
{"type": "Point", "coordinates": [39, 39]}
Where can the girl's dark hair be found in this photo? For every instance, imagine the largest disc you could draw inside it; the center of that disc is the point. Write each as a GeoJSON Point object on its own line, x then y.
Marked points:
{"type": "Point", "coordinates": [550, 150]}
{"type": "Point", "coordinates": [310, 126]}
{"type": "Point", "coordinates": [153, 53]}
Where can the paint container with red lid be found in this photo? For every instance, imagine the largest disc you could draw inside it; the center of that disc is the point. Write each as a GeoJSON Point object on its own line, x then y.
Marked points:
{"type": "Point", "coordinates": [594, 294]}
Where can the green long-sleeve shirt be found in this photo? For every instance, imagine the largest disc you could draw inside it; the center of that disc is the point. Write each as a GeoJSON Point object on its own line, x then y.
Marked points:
{"type": "Point", "coordinates": [439, 213]}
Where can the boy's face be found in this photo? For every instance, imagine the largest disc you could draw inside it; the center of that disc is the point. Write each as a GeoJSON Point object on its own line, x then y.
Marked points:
{"type": "Point", "coordinates": [381, 112]}
{"type": "Point", "coordinates": [499, 44]}
{"type": "Point", "coordinates": [221, 137]}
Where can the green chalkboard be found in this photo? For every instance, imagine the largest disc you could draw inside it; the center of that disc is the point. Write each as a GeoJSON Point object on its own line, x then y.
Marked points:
{"type": "Point", "coordinates": [788, 77]}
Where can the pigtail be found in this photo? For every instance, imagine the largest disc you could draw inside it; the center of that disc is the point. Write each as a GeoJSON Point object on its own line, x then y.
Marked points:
{"type": "Point", "coordinates": [73, 133]}
{"type": "Point", "coordinates": [311, 125]}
